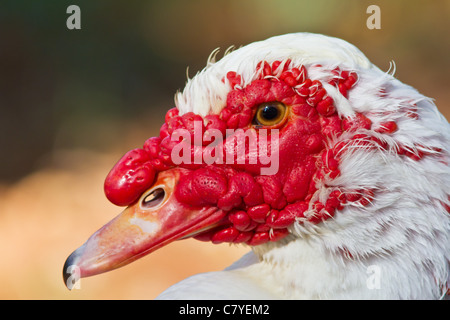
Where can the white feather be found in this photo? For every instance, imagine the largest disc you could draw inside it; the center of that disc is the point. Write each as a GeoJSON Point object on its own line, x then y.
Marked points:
{"type": "Point", "coordinates": [405, 233]}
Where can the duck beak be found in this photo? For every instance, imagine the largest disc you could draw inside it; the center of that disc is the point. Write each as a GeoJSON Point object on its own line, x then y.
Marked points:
{"type": "Point", "coordinates": [152, 222]}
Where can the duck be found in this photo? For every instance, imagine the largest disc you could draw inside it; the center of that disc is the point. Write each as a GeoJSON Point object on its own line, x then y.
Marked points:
{"type": "Point", "coordinates": [333, 172]}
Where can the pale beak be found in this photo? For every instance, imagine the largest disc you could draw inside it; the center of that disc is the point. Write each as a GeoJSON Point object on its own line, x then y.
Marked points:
{"type": "Point", "coordinates": [155, 220]}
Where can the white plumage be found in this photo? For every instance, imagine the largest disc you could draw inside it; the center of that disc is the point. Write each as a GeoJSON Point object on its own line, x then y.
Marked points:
{"type": "Point", "coordinates": [396, 248]}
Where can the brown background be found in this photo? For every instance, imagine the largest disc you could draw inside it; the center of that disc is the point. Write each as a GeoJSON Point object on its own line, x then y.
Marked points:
{"type": "Point", "coordinates": [72, 102]}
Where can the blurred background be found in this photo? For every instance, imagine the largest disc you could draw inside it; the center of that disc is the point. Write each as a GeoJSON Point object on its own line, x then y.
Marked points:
{"type": "Point", "coordinates": [72, 102]}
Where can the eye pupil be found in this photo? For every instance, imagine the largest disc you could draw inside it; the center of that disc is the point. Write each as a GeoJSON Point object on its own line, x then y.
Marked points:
{"type": "Point", "coordinates": [269, 112]}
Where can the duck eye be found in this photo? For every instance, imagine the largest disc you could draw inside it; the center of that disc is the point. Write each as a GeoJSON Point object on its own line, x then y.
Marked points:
{"type": "Point", "coordinates": [270, 113]}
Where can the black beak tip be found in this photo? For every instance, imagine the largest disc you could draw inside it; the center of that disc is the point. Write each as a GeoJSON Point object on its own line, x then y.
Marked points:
{"type": "Point", "coordinates": [71, 272]}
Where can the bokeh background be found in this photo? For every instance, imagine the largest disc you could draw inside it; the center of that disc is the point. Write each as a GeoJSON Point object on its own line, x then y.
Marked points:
{"type": "Point", "coordinates": [72, 102]}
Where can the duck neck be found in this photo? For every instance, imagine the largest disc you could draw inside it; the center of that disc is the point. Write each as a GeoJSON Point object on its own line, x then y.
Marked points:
{"type": "Point", "coordinates": [309, 269]}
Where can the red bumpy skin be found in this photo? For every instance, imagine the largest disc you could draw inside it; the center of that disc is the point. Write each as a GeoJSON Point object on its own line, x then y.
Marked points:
{"type": "Point", "coordinates": [260, 207]}
{"type": "Point", "coordinates": [131, 176]}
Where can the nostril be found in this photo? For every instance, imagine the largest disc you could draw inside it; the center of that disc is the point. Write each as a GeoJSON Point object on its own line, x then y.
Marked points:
{"type": "Point", "coordinates": [154, 198]}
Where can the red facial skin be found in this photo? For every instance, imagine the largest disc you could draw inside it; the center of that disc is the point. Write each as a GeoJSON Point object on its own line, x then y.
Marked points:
{"type": "Point", "coordinates": [259, 208]}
